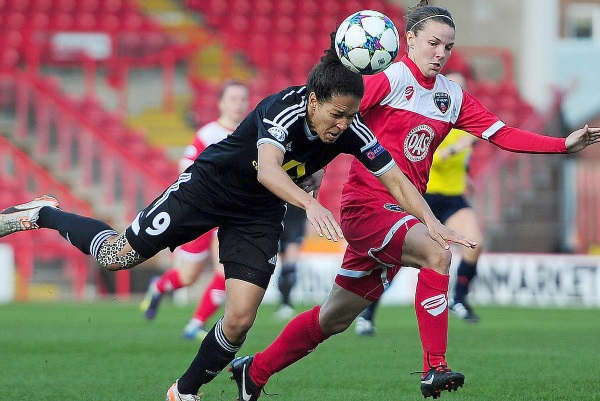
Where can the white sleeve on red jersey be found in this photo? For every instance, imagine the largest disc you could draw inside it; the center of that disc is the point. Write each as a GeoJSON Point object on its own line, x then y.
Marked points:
{"type": "Point", "coordinates": [476, 119]}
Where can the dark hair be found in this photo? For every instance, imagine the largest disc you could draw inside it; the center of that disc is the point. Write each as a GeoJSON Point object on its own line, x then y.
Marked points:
{"type": "Point", "coordinates": [419, 15]}
{"type": "Point", "coordinates": [228, 83]}
{"type": "Point", "coordinates": [331, 78]}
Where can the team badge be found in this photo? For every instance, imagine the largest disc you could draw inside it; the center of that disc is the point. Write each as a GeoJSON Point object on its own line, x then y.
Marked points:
{"type": "Point", "coordinates": [278, 133]}
{"type": "Point", "coordinates": [408, 92]}
{"type": "Point", "coordinates": [392, 207]}
{"type": "Point", "coordinates": [442, 101]}
{"type": "Point", "coordinates": [375, 151]}
{"type": "Point", "coordinates": [416, 143]}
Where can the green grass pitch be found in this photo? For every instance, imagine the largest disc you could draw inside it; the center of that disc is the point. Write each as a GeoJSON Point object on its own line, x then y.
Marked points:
{"type": "Point", "coordinates": [106, 351]}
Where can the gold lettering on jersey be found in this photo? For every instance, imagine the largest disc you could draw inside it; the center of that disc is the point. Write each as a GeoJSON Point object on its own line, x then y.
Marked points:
{"type": "Point", "coordinates": [300, 169]}
{"type": "Point", "coordinates": [255, 164]}
{"type": "Point", "coordinates": [416, 143]}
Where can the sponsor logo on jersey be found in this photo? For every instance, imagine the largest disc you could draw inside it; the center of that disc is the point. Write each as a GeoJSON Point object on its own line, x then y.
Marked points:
{"type": "Point", "coordinates": [273, 260]}
{"type": "Point", "coordinates": [442, 101]}
{"type": "Point", "coordinates": [435, 305]}
{"type": "Point", "coordinates": [416, 143]}
{"type": "Point", "coordinates": [288, 147]}
{"type": "Point", "coordinates": [278, 133]}
{"type": "Point", "coordinates": [392, 207]}
{"type": "Point", "coordinates": [409, 92]}
{"type": "Point", "coordinates": [375, 151]}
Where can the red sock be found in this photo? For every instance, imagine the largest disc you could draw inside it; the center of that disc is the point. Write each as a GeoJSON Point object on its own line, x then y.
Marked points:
{"type": "Point", "coordinates": [169, 281]}
{"type": "Point", "coordinates": [299, 337]}
{"type": "Point", "coordinates": [213, 297]}
{"type": "Point", "coordinates": [431, 306]}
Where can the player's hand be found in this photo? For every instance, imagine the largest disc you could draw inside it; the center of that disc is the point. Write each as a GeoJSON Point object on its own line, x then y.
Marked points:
{"type": "Point", "coordinates": [442, 235]}
{"type": "Point", "coordinates": [323, 221]}
{"type": "Point", "coordinates": [312, 183]}
{"type": "Point", "coordinates": [582, 138]}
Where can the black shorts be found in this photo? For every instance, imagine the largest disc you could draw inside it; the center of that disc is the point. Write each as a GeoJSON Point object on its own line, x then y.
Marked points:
{"type": "Point", "coordinates": [294, 227]}
{"type": "Point", "coordinates": [187, 209]}
{"type": "Point", "coordinates": [444, 206]}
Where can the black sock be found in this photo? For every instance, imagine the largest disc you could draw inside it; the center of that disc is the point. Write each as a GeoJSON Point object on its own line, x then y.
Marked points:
{"type": "Point", "coordinates": [369, 312]}
{"type": "Point", "coordinates": [464, 274]}
{"type": "Point", "coordinates": [215, 353]}
{"type": "Point", "coordinates": [287, 280]}
{"type": "Point", "coordinates": [80, 231]}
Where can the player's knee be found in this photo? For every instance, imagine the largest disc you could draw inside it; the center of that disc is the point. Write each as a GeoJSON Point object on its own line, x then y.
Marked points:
{"type": "Point", "coordinates": [116, 254]}
{"type": "Point", "coordinates": [235, 327]}
{"type": "Point", "coordinates": [439, 260]}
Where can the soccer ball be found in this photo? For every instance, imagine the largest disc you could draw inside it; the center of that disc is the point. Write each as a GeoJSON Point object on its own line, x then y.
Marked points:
{"type": "Point", "coordinates": [367, 42]}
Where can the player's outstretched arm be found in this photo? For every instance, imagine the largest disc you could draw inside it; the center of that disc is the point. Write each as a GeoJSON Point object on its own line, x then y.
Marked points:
{"type": "Point", "coordinates": [411, 200]}
{"type": "Point", "coordinates": [276, 180]}
{"type": "Point", "coordinates": [582, 138]}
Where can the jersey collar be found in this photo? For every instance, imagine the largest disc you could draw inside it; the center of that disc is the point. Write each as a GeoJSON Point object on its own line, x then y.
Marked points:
{"type": "Point", "coordinates": [426, 82]}
{"type": "Point", "coordinates": [309, 135]}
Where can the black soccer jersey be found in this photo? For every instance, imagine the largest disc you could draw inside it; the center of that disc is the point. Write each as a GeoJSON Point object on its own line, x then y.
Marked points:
{"type": "Point", "coordinates": [280, 120]}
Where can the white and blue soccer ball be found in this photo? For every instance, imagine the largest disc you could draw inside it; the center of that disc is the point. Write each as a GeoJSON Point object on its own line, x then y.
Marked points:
{"type": "Point", "coordinates": [367, 42]}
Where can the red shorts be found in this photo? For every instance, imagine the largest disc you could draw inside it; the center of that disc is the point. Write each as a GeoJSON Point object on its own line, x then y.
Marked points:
{"type": "Point", "coordinates": [375, 231]}
{"type": "Point", "coordinates": [198, 249]}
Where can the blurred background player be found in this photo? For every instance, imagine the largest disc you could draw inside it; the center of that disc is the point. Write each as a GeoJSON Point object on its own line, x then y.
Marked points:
{"type": "Point", "coordinates": [446, 195]}
{"type": "Point", "coordinates": [289, 250]}
{"type": "Point", "coordinates": [191, 258]}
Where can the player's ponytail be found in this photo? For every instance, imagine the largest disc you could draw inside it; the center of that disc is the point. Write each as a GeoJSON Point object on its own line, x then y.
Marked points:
{"type": "Point", "coordinates": [330, 77]}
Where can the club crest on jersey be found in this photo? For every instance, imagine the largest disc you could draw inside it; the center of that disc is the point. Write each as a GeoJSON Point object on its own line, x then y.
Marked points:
{"type": "Point", "coordinates": [416, 143]}
{"type": "Point", "coordinates": [392, 207]}
{"type": "Point", "coordinates": [409, 91]}
{"type": "Point", "coordinates": [277, 133]}
{"type": "Point", "coordinates": [442, 101]}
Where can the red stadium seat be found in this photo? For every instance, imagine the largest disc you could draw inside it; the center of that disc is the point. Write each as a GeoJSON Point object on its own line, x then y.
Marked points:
{"type": "Point", "coordinates": [61, 22]}
{"type": "Point", "coordinates": [14, 21]}
{"type": "Point", "coordinates": [64, 6]}
{"type": "Point", "coordinates": [41, 6]}
{"type": "Point", "coordinates": [88, 6]}
{"type": "Point", "coordinates": [108, 22]}
{"type": "Point", "coordinates": [112, 6]}
{"type": "Point", "coordinates": [85, 21]}
{"type": "Point", "coordinates": [263, 8]}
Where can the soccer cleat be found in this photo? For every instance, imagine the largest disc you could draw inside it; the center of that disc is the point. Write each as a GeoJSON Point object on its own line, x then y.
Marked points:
{"type": "Point", "coordinates": [174, 395]}
{"type": "Point", "coordinates": [284, 312]}
{"type": "Point", "coordinates": [438, 379]}
{"type": "Point", "coordinates": [194, 331]}
{"type": "Point", "coordinates": [151, 300]}
{"type": "Point", "coordinates": [240, 368]}
{"type": "Point", "coordinates": [464, 311]}
{"type": "Point", "coordinates": [24, 217]}
{"type": "Point", "coordinates": [364, 327]}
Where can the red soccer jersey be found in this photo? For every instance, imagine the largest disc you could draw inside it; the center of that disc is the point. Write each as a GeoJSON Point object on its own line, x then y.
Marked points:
{"type": "Point", "coordinates": [412, 114]}
{"type": "Point", "coordinates": [207, 135]}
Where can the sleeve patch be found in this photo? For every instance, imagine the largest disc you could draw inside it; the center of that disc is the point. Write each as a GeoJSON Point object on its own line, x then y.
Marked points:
{"type": "Point", "coordinates": [278, 133]}
{"type": "Point", "coordinates": [375, 151]}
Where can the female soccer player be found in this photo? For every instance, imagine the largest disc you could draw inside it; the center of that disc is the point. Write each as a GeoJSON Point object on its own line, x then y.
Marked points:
{"type": "Point", "coordinates": [445, 196]}
{"type": "Point", "coordinates": [411, 108]}
{"type": "Point", "coordinates": [241, 185]}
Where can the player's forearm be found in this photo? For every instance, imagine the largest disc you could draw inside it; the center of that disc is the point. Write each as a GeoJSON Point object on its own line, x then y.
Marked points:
{"type": "Point", "coordinates": [275, 179]}
{"type": "Point", "coordinates": [518, 140]}
{"type": "Point", "coordinates": [407, 195]}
